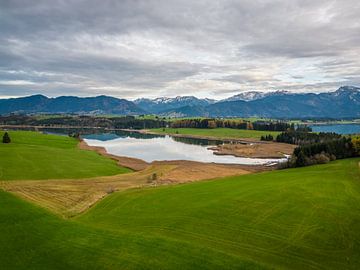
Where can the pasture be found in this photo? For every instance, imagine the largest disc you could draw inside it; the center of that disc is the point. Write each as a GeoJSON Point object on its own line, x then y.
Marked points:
{"type": "Point", "coordinates": [303, 218]}
{"type": "Point", "coordinates": [35, 156]}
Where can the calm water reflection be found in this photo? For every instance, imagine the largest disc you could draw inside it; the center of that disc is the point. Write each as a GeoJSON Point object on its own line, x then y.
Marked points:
{"type": "Point", "coordinates": [153, 147]}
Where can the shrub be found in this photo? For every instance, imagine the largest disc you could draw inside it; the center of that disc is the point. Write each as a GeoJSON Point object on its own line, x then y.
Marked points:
{"type": "Point", "coordinates": [267, 138]}
{"type": "Point", "coordinates": [152, 178]}
{"type": "Point", "coordinates": [356, 144]}
{"type": "Point", "coordinates": [110, 189]}
{"type": "Point", "coordinates": [321, 158]}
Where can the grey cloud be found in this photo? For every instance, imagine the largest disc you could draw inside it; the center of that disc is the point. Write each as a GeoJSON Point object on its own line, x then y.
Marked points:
{"type": "Point", "coordinates": [143, 48]}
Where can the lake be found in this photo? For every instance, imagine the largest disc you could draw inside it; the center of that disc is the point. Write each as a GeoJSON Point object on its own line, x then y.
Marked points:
{"type": "Point", "coordinates": [338, 128]}
{"type": "Point", "coordinates": [157, 148]}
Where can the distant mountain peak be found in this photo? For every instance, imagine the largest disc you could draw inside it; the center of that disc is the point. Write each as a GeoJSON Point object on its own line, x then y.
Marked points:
{"type": "Point", "coordinates": [348, 88]}
{"type": "Point", "coordinates": [254, 95]}
{"type": "Point", "coordinates": [161, 104]}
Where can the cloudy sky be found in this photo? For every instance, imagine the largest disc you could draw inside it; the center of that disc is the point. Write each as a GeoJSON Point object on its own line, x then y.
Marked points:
{"type": "Point", "coordinates": [153, 48]}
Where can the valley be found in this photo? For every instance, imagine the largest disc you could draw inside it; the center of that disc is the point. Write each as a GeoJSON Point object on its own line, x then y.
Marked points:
{"type": "Point", "coordinates": [295, 218]}
{"type": "Point", "coordinates": [241, 216]}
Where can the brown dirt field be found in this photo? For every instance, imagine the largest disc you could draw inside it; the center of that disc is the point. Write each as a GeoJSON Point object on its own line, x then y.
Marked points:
{"type": "Point", "coordinates": [189, 171]}
{"type": "Point", "coordinates": [255, 150]}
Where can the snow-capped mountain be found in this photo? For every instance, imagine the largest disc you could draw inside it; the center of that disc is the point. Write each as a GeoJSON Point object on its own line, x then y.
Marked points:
{"type": "Point", "coordinates": [342, 103]}
{"type": "Point", "coordinates": [254, 95]}
{"type": "Point", "coordinates": [164, 103]}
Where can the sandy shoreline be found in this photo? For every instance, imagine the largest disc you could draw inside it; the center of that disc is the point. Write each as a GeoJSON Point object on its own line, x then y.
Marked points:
{"type": "Point", "coordinates": [267, 150]}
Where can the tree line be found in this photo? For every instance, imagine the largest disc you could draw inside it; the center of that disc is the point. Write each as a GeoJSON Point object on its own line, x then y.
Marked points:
{"type": "Point", "coordinates": [131, 122]}
{"type": "Point", "coordinates": [237, 124]}
{"type": "Point", "coordinates": [319, 153]}
{"type": "Point", "coordinates": [121, 122]}
{"type": "Point", "coordinates": [301, 137]}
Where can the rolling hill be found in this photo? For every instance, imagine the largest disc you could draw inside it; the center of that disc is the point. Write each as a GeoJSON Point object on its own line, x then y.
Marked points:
{"type": "Point", "coordinates": [305, 218]}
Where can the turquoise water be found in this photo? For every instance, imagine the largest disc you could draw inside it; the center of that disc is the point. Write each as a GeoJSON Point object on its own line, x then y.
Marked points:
{"type": "Point", "coordinates": [338, 128]}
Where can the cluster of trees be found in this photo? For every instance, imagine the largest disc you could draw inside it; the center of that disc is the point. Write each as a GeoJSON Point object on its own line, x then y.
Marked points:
{"type": "Point", "coordinates": [319, 148]}
{"type": "Point", "coordinates": [267, 138]}
{"type": "Point", "coordinates": [318, 153]}
{"type": "Point", "coordinates": [211, 123]}
{"type": "Point", "coordinates": [75, 135]}
{"type": "Point", "coordinates": [300, 138]}
{"type": "Point", "coordinates": [135, 123]}
{"type": "Point", "coordinates": [273, 126]}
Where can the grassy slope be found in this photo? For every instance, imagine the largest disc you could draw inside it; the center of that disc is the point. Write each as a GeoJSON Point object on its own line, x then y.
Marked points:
{"type": "Point", "coordinates": [217, 132]}
{"type": "Point", "coordinates": [296, 219]}
{"type": "Point", "coordinates": [33, 155]}
{"type": "Point", "coordinates": [304, 218]}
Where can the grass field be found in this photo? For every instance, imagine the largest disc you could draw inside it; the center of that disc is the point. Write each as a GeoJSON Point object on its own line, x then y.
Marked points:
{"type": "Point", "coordinates": [32, 155]}
{"type": "Point", "coordinates": [305, 218]}
{"type": "Point", "coordinates": [217, 132]}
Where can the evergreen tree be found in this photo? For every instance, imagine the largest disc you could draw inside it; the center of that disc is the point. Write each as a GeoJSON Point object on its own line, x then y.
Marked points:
{"type": "Point", "coordinates": [300, 159]}
{"type": "Point", "coordinates": [6, 138]}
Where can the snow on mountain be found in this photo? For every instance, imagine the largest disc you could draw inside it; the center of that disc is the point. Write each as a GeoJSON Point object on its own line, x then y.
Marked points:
{"type": "Point", "coordinates": [254, 95]}
{"type": "Point", "coordinates": [164, 103]}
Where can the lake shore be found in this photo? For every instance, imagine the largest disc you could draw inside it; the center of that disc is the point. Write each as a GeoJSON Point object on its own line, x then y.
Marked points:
{"type": "Point", "coordinates": [181, 170]}
{"type": "Point", "coordinates": [238, 147]}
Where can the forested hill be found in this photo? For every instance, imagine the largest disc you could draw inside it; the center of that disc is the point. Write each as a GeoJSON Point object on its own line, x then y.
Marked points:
{"type": "Point", "coordinates": [69, 104]}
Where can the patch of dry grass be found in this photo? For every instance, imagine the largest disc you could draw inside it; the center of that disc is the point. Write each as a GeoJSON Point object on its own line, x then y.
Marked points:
{"type": "Point", "coordinates": [71, 197]}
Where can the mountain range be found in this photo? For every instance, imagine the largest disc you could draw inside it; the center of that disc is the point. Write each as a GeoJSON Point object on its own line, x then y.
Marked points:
{"type": "Point", "coordinates": [69, 104]}
{"type": "Point", "coordinates": [343, 103]}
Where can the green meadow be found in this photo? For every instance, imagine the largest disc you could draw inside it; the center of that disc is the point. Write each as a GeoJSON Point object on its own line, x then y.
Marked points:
{"type": "Point", "coordinates": [216, 132]}
{"type": "Point", "coordinates": [32, 156]}
{"type": "Point", "coordinates": [304, 218]}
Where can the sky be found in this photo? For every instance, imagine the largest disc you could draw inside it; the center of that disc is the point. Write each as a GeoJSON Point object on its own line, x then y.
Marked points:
{"type": "Point", "coordinates": [154, 48]}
